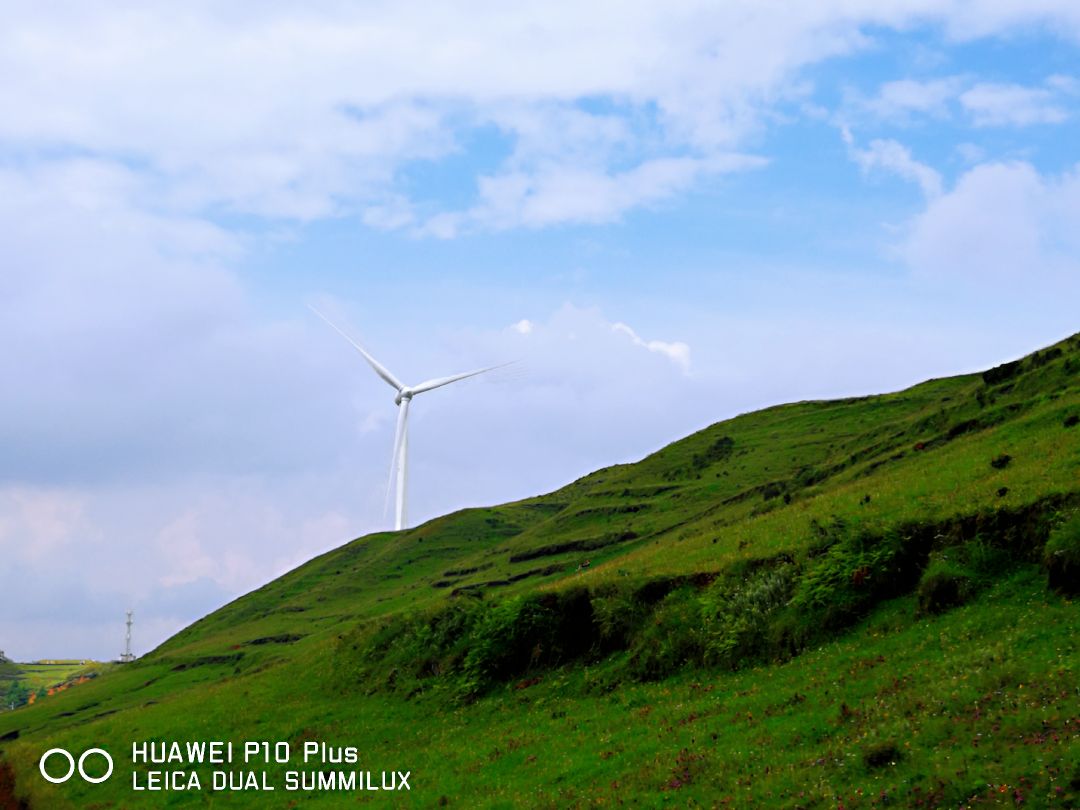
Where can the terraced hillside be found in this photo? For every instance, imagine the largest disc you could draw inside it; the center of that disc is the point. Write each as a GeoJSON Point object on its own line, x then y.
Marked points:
{"type": "Point", "coordinates": [855, 602]}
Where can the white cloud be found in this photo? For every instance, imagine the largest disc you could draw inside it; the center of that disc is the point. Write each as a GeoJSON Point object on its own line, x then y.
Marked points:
{"type": "Point", "coordinates": [987, 104]}
{"type": "Point", "coordinates": [995, 105]}
{"type": "Point", "coordinates": [900, 99]}
{"type": "Point", "coordinates": [554, 194]}
{"type": "Point", "coordinates": [39, 526]}
{"type": "Point", "coordinates": [970, 153]}
{"type": "Point", "coordinates": [523, 327]}
{"type": "Point", "coordinates": [1002, 223]}
{"type": "Point", "coordinates": [677, 351]}
{"type": "Point", "coordinates": [391, 213]}
{"type": "Point", "coordinates": [896, 158]}
{"type": "Point", "coordinates": [307, 112]}
{"type": "Point", "coordinates": [77, 558]}
{"type": "Point", "coordinates": [1062, 83]}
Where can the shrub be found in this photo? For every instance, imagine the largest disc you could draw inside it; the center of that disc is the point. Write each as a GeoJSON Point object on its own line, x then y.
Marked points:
{"type": "Point", "coordinates": [507, 638]}
{"type": "Point", "coordinates": [719, 450]}
{"type": "Point", "coordinates": [618, 617]}
{"type": "Point", "coordinates": [1061, 557]}
{"type": "Point", "coordinates": [983, 560]}
{"type": "Point", "coordinates": [671, 640]}
{"type": "Point", "coordinates": [854, 570]}
{"type": "Point", "coordinates": [519, 634]}
{"type": "Point", "coordinates": [735, 618]}
{"type": "Point", "coordinates": [1001, 373]}
{"type": "Point", "coordinates": [945, 583]}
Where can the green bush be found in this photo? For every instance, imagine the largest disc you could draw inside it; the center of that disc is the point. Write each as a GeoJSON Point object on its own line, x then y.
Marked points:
{"type": "Point", "coordinates": [735, 619]}
{"type": "Point", "coordinates": [1061, 557]}
{"type": "Point", "coordinates": [853, 570]}
{"type": "Point", "coordinates": [984, 561]}
{"type": "Point", "coordinates": [619, 617]}
{"type": "Point", "coordinates": [518, 635]}
{"type": "Point", "coordinates": [436, 643]}
{"type": "Point", "coordinates": [14, 695]}
{"type": "Point", "coordinates": [671, 639]}
{"type": "Point", "coordinates": [953, 575]}
{"type": "Point", "coordinates": [400, 653]}
{"type": "Point", "coordinates": [945, 583]}
{"type": "Point", "coordinates": [507, 638]}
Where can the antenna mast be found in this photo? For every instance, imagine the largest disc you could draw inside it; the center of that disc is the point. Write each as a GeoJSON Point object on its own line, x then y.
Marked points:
{"type": "Point", "coordinates": [127, 656]}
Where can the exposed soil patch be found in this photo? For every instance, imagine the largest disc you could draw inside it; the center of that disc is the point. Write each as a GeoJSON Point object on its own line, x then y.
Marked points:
{"type": "Point", "coordinates": [284, 638]}
{"type": "Point", "coordinates": [647, 492]}
{"type": "Point", "coordinates": [8, 799]}
{"type": "Point", "coordinates": [630, 508]}
{"type": "Point", "coordinates": [767, 491]}
{"type": "Point", "coordinates": [873, 466]}
{"type": "Point", "coordinates": [586, 544]}
{"type": "Point", "coordinates": [499, 583]}
{"type": "Point", "coordinates": [960, 428]}
{"type": "Point", "coordinates": [654, 590]}
{"type": "Point", "coordinates": [464, 572]}
{"type": "Point", "coordinates": [208, 660]}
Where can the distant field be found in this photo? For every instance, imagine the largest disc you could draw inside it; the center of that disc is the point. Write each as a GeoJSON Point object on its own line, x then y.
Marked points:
{"type": "Point", "coordinates": [45, 674]}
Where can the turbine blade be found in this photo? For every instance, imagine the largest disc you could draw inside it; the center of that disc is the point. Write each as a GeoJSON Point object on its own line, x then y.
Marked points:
{"type": "Point", "coordinates": [402, 409]}
{"type": "Point", "coordinates": [379, 368]}
{"type": "Point", "coordinates": [441, 381]}
{"type": "Point", "coordinates": [402, 467]}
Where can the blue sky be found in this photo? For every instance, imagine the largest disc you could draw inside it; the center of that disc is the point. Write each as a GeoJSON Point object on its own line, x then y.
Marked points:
{"type": "Point", "coordinates": [669, 213]}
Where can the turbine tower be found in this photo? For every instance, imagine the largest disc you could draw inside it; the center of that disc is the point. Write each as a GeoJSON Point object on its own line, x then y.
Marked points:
{"type": "Point", "coordinates": [403, 396]}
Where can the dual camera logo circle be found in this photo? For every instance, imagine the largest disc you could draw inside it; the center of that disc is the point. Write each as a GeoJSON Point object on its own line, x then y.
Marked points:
{"type": "Point", "coordinates": [73, 765]}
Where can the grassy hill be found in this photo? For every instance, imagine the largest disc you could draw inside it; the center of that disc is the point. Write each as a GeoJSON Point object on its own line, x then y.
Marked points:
{"type": "Point", "coordinates": [859, 602]}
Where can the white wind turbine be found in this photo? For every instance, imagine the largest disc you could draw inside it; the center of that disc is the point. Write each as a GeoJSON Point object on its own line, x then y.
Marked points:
{"type": "Point", "coordinates": [405, 393]}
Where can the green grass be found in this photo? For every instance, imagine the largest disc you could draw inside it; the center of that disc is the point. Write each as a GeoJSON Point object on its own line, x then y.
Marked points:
{"type": "Point", "coordinates": [18, 682]}
{"type": "Point", "coordinates": [40, 674]}
{"type": "Point", "coordinates": [767, 618]}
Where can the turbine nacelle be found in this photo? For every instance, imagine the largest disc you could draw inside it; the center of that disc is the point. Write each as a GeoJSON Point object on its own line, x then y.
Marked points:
{"type": "Point", "coordinates": [404, 393]}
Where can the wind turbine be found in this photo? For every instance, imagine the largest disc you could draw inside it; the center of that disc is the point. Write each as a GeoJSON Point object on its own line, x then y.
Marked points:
{"type": "Point", "coordinates": [404, 395]}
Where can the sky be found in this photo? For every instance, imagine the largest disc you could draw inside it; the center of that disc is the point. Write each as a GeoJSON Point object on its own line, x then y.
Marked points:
{"type": "Point", "coordinates": [667, 213]}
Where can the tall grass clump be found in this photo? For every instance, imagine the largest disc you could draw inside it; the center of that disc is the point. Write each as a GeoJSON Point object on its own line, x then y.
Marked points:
{"type": "Point", "coordinates": [521, 634]}
{"type": "Point", "coordinates": [851, 570]}
{"type": "Point", "coordinates": [946, 583]}
{"type": "Point", "coordinates": [468, 646]}
{"type": "Point", "coordinates": [736, 617]}
{"type": "Point", "coordinates": [672, 638]}
{"type": "Point", "coordinates": [1061, 556]}
{"type": "Point", "coordinates": [619, 616]}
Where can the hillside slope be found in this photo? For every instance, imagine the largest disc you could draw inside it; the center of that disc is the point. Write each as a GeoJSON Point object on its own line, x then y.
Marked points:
{"type": "Point", "coordinates": [731, 575]}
